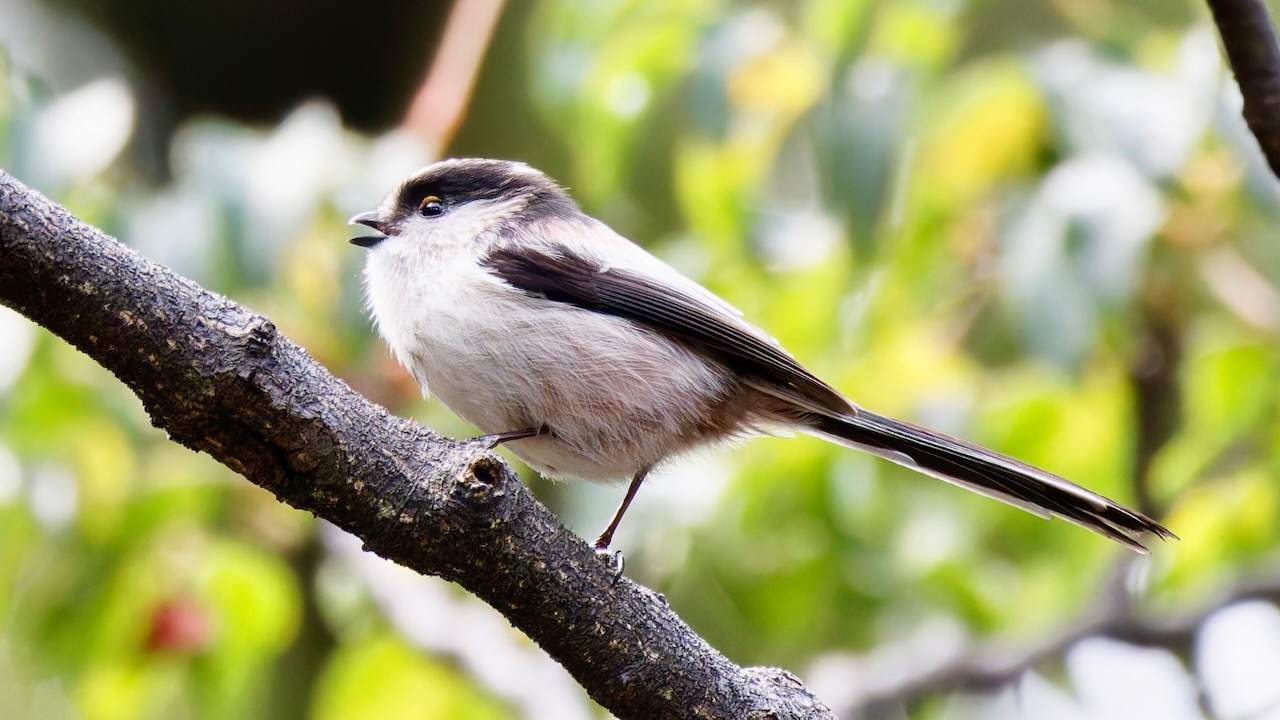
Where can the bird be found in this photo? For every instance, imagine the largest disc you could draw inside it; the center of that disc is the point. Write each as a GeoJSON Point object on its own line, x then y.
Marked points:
{"type": "Point", "coordinates": [590, 358]}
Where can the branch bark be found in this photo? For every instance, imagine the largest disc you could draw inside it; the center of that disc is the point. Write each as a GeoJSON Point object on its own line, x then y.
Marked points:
{"type": "Point", "coordinates": [219, 379]}
{"type": "Point", "coordinates": [1249, 40]}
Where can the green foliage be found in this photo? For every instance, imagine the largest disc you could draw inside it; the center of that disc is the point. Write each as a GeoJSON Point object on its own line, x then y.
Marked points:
{"type": "Point", "coordinates": [381, 677]}
{"type": "Point", "coordinates": [973, 230]}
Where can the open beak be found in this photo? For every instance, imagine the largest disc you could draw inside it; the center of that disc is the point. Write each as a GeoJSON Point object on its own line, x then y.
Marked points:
{"type": "Point", "coordinates": [373, 220]}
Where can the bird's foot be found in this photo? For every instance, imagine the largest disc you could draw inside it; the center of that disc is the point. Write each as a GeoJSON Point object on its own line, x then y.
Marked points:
{"type": "Point", "coordinates": [613, 559]}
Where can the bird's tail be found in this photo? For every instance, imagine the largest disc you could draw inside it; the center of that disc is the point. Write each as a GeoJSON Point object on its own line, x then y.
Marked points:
{"type": "Point", "coordinates": [989, 473]}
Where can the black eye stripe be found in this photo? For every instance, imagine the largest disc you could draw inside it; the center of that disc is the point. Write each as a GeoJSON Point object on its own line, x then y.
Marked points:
{"type": "Point", "coordinates": [458, 187]}
{"type": "Point", "coordinates": [459, 182]}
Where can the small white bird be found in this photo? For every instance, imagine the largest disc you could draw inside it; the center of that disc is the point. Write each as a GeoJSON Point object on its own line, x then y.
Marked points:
{"type": "Point", "coordinates": [593, 359]}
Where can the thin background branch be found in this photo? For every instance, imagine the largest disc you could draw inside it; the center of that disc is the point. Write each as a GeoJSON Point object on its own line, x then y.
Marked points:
{"type": "Point", "coordinates": [991, 665]}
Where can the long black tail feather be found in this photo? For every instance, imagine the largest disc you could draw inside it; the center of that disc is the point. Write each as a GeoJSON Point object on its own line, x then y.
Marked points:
{"type": "Point", "coordinates": [989, 473]}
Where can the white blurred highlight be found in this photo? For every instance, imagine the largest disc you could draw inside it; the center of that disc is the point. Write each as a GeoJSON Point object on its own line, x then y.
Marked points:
{"type": "Point", "coordinates": [844, 680]}
{"type": "Point", "coordinates": [82, 132]}
{"type": "Point", "coordinates": [1238, 659]}
{"type": "Point", "coordinates": [17, 339]}
{"type": "Point", "coordinates": [55, 496]}
{"type": "Point", "coordinates": [1117, 681]}
{"type": "Point", "coordinates": [1153, 119]}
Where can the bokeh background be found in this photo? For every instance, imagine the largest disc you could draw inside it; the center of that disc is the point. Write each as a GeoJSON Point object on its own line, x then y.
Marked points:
{"type": "Point", "coordinates": [1038, 224]}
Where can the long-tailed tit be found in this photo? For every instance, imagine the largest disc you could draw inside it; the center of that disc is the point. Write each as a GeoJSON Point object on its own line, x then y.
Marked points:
{"type": "Point", "coordinates": [592, 359]}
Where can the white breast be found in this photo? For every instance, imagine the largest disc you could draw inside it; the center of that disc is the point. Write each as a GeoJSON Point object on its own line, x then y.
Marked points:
{"type": "Point", "coordinates": [617, 398]}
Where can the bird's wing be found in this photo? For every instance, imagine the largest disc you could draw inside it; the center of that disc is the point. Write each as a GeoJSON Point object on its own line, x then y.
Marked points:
{"type": "Point", "coordinates": [662, 301]}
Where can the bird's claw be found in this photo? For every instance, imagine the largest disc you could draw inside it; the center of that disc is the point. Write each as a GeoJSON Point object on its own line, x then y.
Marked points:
{"type": "Point", "coordinates": [613, 559]}
{"type": "Point", "coordinates": [493, 440]}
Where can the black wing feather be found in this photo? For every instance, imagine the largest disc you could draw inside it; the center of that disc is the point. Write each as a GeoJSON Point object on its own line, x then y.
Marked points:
{"type": "Point", "coordinates": [565, 277]}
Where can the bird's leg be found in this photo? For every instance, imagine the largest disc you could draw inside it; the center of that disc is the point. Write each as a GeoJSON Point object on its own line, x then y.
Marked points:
{"type": "Point", "coordinates": [495, 439]}
{"type": "Point", "coordinates": [602, 542]}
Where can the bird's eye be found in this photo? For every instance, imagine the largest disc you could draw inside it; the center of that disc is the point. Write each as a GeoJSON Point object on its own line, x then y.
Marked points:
{"type": "Point", "coordinates": [431, 206]}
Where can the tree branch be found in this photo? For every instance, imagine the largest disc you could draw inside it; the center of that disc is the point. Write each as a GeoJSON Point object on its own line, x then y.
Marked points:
{"type": "Point", "coordinates": [219, 379]}
{"type": "Point", "coordinates": [1250, 43]}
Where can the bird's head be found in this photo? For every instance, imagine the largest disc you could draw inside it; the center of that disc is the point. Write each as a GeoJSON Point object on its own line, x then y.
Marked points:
{"type": "Point", "coordinates": [458, 200]}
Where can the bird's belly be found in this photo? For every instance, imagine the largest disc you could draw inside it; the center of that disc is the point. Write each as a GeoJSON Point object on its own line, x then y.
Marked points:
{"type": "Point", "coordinates": [615, 399]}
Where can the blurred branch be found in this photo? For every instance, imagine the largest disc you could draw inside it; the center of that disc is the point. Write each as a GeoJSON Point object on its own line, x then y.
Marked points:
{"type": "Point", "coordinates": [1154, 376]}
{"type": "Point", "coordinates": [219, 379]}
{"type": "Point", "coordinates": [441, 102]}
{"type": "Point", "coordinates": [307, 656]}
{"type": "Point", "coordinates": [988, 666]}
{"type": "Point", "coordinates": [1154, 373]}
{"type": "Point", "coordinates": [1250, 43]}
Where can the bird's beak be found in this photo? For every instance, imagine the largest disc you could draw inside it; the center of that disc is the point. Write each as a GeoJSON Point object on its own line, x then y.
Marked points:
{"type": "Point", "coordinates": [374, 220]}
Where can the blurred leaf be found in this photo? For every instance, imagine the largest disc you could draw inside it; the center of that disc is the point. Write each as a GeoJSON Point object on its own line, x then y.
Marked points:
{"type": "Point", "coordinates": [1075, 249]}
{"type": "Point", "coordinates": [915, 32]}
{"type": "Point", "coordinates": [112, 692]}
{"type": "Point", "coordinates": [599, 71]}
{"type": "Point", "coordinates": [1222, 523]}
{"type": "Point", "coordinates": [380, 678]}
{"type": "Point", "coordinates": [785, 80]}
{"type": "Point", "coordinates": [989, 129]}
{"type": "Point", "coordinates": [1229, 385]}
{"type": "Point", "coordinates": [107, 472]}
